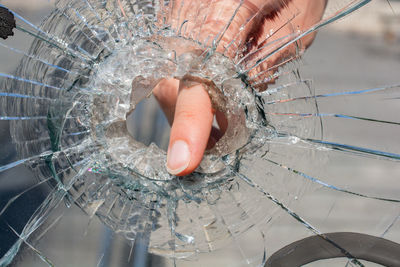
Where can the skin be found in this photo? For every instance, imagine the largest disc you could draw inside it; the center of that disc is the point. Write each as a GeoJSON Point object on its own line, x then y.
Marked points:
{"type": "Point", "coordinates": [188, 109]}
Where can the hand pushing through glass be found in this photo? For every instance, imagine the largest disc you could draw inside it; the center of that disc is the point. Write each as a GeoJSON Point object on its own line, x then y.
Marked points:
{"type": "Point", "coordinates": [189, 110]}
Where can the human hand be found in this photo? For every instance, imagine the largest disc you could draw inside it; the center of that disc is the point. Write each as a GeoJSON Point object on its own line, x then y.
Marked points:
{"type": "Point", "coordinates": [189, 110]}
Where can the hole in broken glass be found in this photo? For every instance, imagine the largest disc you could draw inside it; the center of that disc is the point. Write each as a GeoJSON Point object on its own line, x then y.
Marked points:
{"type": "Point", "coordinates": [126, 78]}
{"type": "Point", "coordinates": [147, 124]}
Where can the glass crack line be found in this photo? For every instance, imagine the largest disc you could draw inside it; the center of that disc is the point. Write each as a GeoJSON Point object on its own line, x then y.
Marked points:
{"type": "Point", "coordinates": [318, 181]}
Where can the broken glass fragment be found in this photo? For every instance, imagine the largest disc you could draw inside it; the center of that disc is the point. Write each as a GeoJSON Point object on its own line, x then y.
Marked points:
{"type": "Point", "coordinates": [90, 64]}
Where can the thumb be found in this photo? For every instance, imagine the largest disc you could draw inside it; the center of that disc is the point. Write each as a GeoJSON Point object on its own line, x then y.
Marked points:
{"type": "Point", "coordinates": [190, 130]}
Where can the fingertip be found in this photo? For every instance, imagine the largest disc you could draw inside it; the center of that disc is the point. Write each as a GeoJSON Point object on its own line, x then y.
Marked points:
{"type": "Point", "coordinates": [178, 158]}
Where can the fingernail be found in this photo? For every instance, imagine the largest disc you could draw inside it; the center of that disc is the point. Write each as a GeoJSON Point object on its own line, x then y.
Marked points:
{"type": "Point", "coordinates": [178, 158]}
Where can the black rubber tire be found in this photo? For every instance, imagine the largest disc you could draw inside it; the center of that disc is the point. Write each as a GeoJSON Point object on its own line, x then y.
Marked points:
{"type": "Point", "coordinates": [360, 246]}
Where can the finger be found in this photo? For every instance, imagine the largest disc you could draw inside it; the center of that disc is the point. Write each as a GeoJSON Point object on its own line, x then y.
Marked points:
{"type": "Point", "coordinates": [190, 130]}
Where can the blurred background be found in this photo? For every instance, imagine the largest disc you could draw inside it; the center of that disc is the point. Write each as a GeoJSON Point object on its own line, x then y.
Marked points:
{"type": "Point", "coordinates": [361, 51]}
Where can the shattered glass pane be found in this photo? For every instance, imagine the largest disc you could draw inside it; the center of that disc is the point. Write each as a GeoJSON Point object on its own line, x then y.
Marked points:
{"type": "Point", "coordinates": [299, 159]}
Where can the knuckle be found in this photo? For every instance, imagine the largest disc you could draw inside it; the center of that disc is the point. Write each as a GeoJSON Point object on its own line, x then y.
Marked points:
{"type": "Point", "coordinates": [186, 114]}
